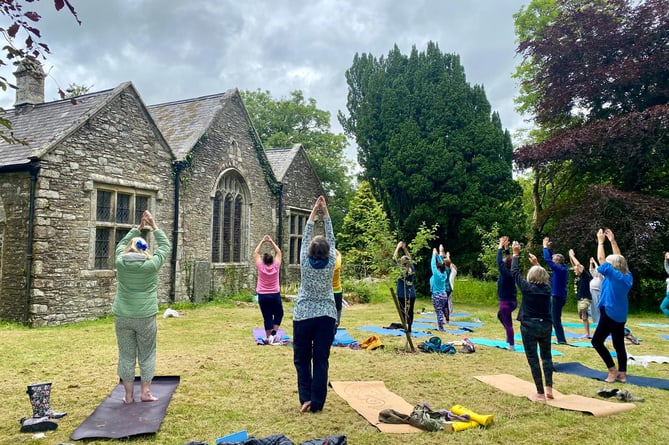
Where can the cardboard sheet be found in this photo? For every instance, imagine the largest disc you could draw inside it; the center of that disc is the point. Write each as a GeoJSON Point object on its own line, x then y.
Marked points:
{"type": "Point", "coordinates": [513, 385]}
{"type": "Point", "coordinates": [371, 397]}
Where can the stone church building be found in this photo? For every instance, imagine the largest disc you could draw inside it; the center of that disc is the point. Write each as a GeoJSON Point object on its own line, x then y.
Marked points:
{"type": "Point", "coordinates": [84, 173]}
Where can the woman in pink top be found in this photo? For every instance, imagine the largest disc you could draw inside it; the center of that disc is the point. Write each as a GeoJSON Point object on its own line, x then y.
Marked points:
{"type": "Point", "coordinates": [268, 289]}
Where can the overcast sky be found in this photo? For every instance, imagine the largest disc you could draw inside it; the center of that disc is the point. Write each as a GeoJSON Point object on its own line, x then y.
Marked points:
{"type": "Point", "coordinates": [180, 49]}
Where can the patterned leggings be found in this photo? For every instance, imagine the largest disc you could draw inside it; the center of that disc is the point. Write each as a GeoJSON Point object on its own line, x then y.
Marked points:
{"type": "Point", "coordinates": [441, 307]}
{"type": "Point", "coordinates": [136, 338]}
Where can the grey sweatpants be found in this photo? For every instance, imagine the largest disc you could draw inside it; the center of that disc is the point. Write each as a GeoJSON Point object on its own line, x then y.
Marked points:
{"type": "Point", "coordinates": [136, 338]}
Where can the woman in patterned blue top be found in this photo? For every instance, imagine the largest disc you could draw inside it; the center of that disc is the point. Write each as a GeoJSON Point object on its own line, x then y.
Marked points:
{"type": "Point", "coordinates": [315, 313]}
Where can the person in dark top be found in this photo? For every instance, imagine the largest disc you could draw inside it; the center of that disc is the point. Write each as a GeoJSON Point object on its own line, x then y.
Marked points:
{"type": "Point", "coordinates": [558, 288]}
{"type": "Point", "coordinates": [535, 322]}
{"type": "Point", "coordinates": [582, 281]}
{"type": "Point", "coordinates": [506, 291]}
{"type": "Point", "coordinates": [406, 292]}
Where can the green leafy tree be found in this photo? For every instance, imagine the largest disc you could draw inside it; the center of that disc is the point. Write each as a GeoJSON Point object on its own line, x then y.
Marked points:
{"type": "Point", "coordinates": [23, 25]}
{"type": "Point", "coordinates": [75, 90]}
{"type": "Point", "coordinates": [365, 239]}
{"type": "Point", "coordinates": [285, 122]}
{"type": "Point", "coordinates": [594, 78]}
{"type": "Point", "coordinates": [430, 146]}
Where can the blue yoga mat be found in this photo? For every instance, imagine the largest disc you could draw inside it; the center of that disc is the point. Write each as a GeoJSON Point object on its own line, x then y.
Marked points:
{"type": "Point", "coordinates": [665, 337]}
{"type": "Point", "coordinates": [653, 325]}
{"type": "Point", "coordinates": [582, 370]}
{"type": "Point", "coordinates": [503, 345]}
{"type": "Point", "coordinates": [393, 332]}
{"type": "Point", "coordinates": [343, 338]}
{"type": "Point", "coordinates": [577, 325]}
{"type": "Point", "coordinates": [433, 327]}
{"type": "Point", "coordinates": [454, 314]}
{"type": "Point", "coordinates": [578, 344]}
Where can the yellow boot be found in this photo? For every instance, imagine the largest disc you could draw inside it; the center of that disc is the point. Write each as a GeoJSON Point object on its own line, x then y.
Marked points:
{"type": "Point", "coordinates": [459, 426]}
{"type": "Point", "coordinates": [484, 420]}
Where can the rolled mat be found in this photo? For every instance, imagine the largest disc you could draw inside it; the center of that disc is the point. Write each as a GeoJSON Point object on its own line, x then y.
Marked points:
{"type": "Point", "coordinates": [371, 397]}
{"type": "Point", "coordinates": [115, 420]}
{"type": "Point", "coordinates": [511, 384]}
{"type": "Point", "coordinates": [582, 370]}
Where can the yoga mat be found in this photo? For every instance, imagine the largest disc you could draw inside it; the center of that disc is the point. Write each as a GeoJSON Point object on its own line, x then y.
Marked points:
{"type": "Point", "coordinates": [369, 398]}
{"type": "Point", "coordinates": [577, 325]}
{"type": "Point", "coordinates": [435, 331]}
{"type": "Point", "coordinates": [582, 370]}
{"type": "Point", "coordinates": [393, 332]}
{"type": "Point", "coordinates": [653, 325]}
{"type": "Point", "coordinates": [503, 345]}
{"type": "Point", "coordinates": [664, 337]}
{"type": "Point", "coordinates": [644, 360]}
{"type": "Point", "coordinates": [454, 314]}
{"type": "Point", "coordinates": [343, 338]}
{"type": "Point", "coordinates": [511, 384]}
{"type": "Point", "coordinates": [113, 419]}
{"type": "Point", "coordinates": [577, 344]}
{"type": "Point", "coordinates": [259, 335]}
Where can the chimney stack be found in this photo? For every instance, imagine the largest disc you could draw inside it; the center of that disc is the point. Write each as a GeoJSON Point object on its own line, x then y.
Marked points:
{"type": "Point", "coordinates": [29, 82]}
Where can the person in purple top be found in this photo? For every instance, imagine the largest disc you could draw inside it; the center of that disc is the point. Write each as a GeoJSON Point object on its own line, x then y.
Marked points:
{"type": "Point", "coordinates": [613, 306]}
{"type": "Point", "coordinates": [506, 291]}
{"type": "Point", "coordinates": [558, 288]}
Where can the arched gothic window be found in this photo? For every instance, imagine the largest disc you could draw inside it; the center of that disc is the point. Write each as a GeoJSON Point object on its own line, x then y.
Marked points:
{"type": "Point", "coordinates": [229, 231]}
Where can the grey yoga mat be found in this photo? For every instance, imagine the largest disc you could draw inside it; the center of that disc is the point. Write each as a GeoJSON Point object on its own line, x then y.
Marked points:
{"type": "Point", "coordinates": [115, 420]}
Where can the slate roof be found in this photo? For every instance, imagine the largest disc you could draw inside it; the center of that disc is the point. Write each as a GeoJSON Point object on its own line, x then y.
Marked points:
{"type": "Point", "coordinates": [183, 122]}
{"type": "Point", "coordinates": [280, 159]}
{"type": "Point", "coordinates": [44, 125]}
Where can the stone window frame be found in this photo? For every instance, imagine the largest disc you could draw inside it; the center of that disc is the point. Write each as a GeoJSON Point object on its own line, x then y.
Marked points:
{"type": "Point", "coordinates": [297, 219]}
{"type": "Point", "coordinates": [117, 229]}
{"type": "Point", "coordinates": [230, 220]}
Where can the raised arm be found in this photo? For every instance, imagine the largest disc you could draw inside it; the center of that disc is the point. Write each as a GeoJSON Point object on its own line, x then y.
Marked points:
{"type": "Point", "coordinates": [612, 239]}
{"type": "Point", "coordinates": [277, 252]}
{"type": "Point", "coordinates": [256, 252]}
{"type": "Point", "coordinates": [601, 255]}
{"type": "Point", "coordinates": [572, 258]}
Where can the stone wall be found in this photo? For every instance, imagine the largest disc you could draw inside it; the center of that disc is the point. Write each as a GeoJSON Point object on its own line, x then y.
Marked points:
{"type": "Point", "coordinates": [227, 146]}
{"type": "Point", "coordinates": [301, 187]}
{"type": "Point", "coordinates": [119, 148]}
{"type": "Point", "coordinates": [14, 198]}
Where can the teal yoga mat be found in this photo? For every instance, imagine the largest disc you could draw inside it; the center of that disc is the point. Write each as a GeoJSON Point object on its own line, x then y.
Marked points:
{"type": "Point", "coordinates": [502, 345]}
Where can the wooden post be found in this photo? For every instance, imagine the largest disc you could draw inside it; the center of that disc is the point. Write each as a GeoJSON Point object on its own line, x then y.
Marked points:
{"type": "Point", "coordinates": [403, 320]}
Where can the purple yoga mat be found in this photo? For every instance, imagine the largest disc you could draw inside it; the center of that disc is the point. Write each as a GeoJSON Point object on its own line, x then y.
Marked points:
{"type": "Point", "coordinates": [259, 336]}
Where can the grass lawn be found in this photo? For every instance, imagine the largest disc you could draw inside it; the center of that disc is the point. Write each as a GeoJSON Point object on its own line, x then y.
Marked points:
{"type": "Point", "coordinates": [230, 384]}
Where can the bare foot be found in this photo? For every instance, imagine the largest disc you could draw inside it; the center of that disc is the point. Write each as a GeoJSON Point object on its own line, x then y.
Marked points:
{"type": "Point", "coordinates": [148, 397]}
{"type": "Point", "coordinates": [305, 407]}
{"type": "Point", "coordinates": [537, 397]}
{"type": "Point", "coordinates": [621, 377]}
{"type": "Point", "coordinates": [549, 392]}
{"type": "Point", "coordinates": [611, 377]}
{"type": "Point", "coordinates": [127, 401]}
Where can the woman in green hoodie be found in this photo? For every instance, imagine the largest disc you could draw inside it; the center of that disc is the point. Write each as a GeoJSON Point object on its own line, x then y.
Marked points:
{"type": "Point", "coordinates": [136, 305]}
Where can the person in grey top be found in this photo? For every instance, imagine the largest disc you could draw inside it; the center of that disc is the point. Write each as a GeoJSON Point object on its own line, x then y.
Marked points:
{"type": "Point", "coordinates": [315, 314]}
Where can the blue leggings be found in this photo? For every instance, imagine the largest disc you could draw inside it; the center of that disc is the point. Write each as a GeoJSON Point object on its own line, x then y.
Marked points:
{"type": "Point", "coordinates": [664, 306]}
